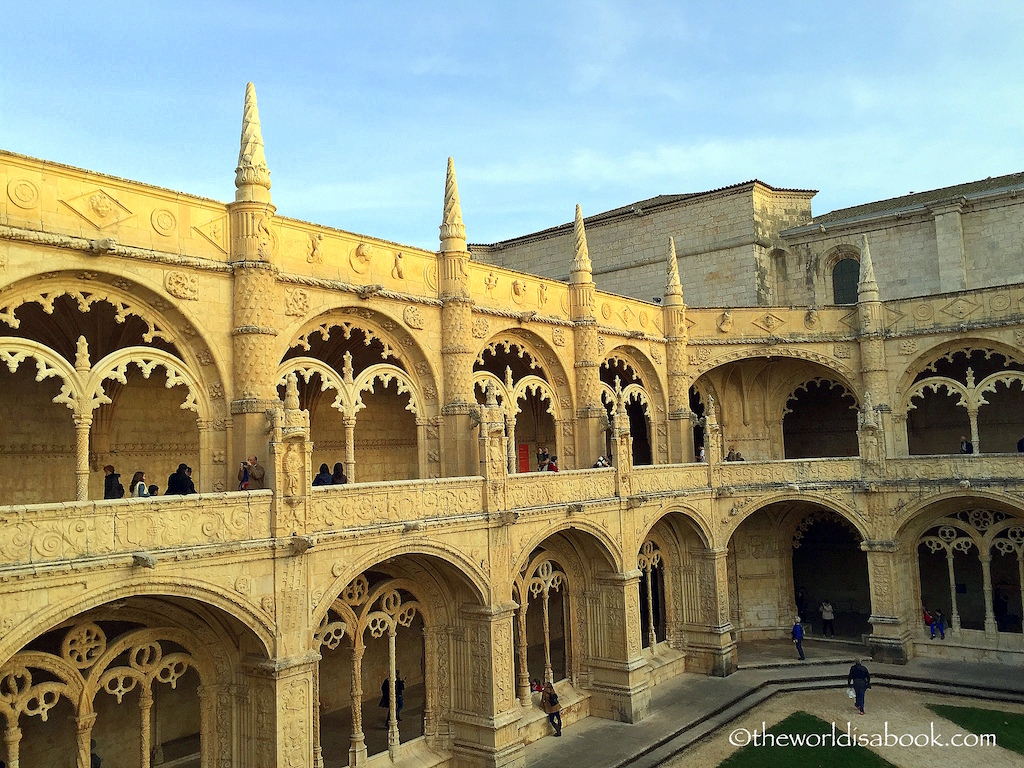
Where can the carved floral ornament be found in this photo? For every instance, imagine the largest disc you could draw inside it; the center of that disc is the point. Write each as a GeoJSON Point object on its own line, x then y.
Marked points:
{"type": "Point", "coordinates": [381, 609]}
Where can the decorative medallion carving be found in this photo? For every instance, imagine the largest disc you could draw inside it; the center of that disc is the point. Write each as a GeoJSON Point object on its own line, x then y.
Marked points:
{"type": "Point", "coordinates": [182, 285]}
{"type": "Point", "coordinates": [98, 208]}
{"type": "Point", "coordinates": [164, 222]}
{"type": "Point", "coordinates": [558, 337]}
{"type": "Point", "coordinates": [413, 317]}
{"type": "Point", "coordinates": [215, 232]}
{"type": "Point", "coordinates": [360, 258]}
{"type": "Point", "coordinates": [480, 328]}
{"type": "Point", "coordinates": [296, 302]}
{"type": "Point", "coordinates": [23, 193]}
{"type": "Point", "coordinates": [315, 248]}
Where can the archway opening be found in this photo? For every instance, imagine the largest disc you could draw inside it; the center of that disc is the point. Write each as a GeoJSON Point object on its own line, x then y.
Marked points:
{"type": "Point", "coordinates": [403, 615]}
{"type": "Point", "coordinates": [820, 420]}
{"type": "Point", "coordinates": [830, 568]}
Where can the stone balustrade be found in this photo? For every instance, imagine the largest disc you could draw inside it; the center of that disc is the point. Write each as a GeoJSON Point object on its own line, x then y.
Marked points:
{"type": "Point", "coordinates": [65, 531]}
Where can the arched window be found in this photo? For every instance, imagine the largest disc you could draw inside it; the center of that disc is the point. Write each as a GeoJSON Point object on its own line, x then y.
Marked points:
{"type": "Point", "coordinates": [845, 276]}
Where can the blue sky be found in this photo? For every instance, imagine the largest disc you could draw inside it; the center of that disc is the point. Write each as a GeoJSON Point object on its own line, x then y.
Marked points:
{"type": "Point", "coordinates": [543, 105]}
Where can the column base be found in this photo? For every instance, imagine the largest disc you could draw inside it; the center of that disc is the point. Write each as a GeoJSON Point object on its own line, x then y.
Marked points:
{"type": "Point", "coordinates": [888, 643]}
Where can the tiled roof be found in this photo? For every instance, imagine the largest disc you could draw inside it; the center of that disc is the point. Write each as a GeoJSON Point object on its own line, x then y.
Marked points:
{"type": "Point", "coordinates": [991, 184]}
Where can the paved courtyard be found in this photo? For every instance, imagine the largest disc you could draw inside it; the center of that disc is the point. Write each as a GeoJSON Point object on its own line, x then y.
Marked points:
{"type": "Point", "coordinates": [693, 715]}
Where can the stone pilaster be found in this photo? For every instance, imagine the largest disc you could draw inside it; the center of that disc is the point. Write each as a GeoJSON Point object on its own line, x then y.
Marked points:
{"type": "Point", "coordinates": [289, 466]}
{"type": "Point", "coordinates": [590, 413]}
{"type": "Point", "coordinates": [486, 711]}
{"type": "Point", "coordinates": [283, 720]}
{"type": "Point", "coordinates": [457, 348]}
{"type": "Point", "coordinates": [493, 451]}
{"type": "Point", "coordinates": [891, 631]}
{"type": "Point", "coordinates": [619, 678]}
{"type": "Point", "coordinates": [874, 367]}
{"type": "Point", "coordinates": [714, 649]}
{"type": "Point", "coordinates": [680, 425]}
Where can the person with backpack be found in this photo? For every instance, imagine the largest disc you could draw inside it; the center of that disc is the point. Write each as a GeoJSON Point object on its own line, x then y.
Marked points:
{"type": "Point", "coordinates": [549, 702]}
{"type": "Point", "coordinates": [112, 488]}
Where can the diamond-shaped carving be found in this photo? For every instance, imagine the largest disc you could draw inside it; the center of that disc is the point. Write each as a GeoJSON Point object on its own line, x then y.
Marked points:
{"type": "Point", "coordinates": [99, 208]}
{"type": "Point", "coordinates": [769, 322]}
{"type": "Point", "coordinates": [216, 231]}
{"type": "Point", "coordinates": [960, 308]}
{"type": "Point", "coordinates": [851, 319]}
{"type": "Point", "coordinates": [892, 316]}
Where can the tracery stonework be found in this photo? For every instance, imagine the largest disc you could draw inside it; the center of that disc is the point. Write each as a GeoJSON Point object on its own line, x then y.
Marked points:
{"type": "Point", "coordinates": [144, 335]}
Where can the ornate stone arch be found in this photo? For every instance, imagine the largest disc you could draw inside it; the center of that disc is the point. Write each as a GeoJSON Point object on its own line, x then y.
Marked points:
{"type": "Point", "coordinates": [786, 391]}
{"type": "Point", "coordinates": [146, 359]}
{"type": "Point", "coordinates": [344, 572]}
{"type": "Point", "coordinates": [49, 364]}
{"type": "Point", "coordinates": [847, 375]}
{"type": "Point", "coordinates": [850, 514]}
{"type": "Point", "coordinates": [260, 623]}
{"type": "Point", "coordinates": [608, 545]}
{"type": "Point", "coordinates": [691, 515]}
{"type": "Point", "coordinates": [947, 349]}
{"type": "Point", "coordinates": [399, 343]}
{"type": "Point", "coordinates": [913, 519]}
{"type": "Point", "coordinates": [167, 319]}
{"type": "Point", "coordinates": [544, 356]}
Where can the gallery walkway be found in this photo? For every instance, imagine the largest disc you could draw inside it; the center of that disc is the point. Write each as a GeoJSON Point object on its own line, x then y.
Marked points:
{"type": "Point", "coordinates": [690, 707]}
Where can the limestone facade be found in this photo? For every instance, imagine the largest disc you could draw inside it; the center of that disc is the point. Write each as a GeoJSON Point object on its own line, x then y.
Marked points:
{"type": "Point", "coordinates": [753, 245]}
{"type": "Point", "coordinates": [145, 328]}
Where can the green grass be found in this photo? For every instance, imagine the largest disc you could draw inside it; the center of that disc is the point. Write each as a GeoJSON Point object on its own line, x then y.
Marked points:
{"type": "Point", "coordinates": [1007, 726]}
{"type": "Point", "coordinates": [752, 756]}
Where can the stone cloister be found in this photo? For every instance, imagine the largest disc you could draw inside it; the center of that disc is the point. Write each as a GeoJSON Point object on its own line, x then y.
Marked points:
{"type": "Point", "coordinates": [145, 328]}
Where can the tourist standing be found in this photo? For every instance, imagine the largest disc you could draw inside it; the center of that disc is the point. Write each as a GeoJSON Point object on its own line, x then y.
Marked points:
{"type": "Point", "coordinates": [828, 616]}
{"type": "Point", "coordinates": [860, 679]}
{"type": "Point", "coordinates": [553, 464]}
{"type": "Point", "coordinates": [179, 483]}
{"type": "Point", "coordinates": [112, 488]}
{"type": "Point", "coordinates": [339, 477]}
{"type": "Point", "coordinates": [798, 637]}
{"type": "Point", "coordinates": [250, 475]}
{"type": "Point", "coordinates": [966, 446]}
{"type": "Point", "coordinates": [323, 477]}
{"type": "Point", "coordinates": [550, 704]}
{"type": "Point", "coordinates": [139, 488]}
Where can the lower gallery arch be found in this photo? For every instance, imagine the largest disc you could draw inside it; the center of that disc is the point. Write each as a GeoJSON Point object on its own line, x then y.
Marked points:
{"type": "Point", "coordinates": [577, 625]}
{"type": "Point", "coordinates": [789, 559]}
{"type": "Point", "coordinates": [137, 682]}
{"type": "Point", "coordinates": [395, 660]}
{"type": "Point", "coordinates": [969, 575]}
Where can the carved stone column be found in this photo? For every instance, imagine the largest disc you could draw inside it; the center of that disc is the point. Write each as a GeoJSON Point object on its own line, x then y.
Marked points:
{"type": "Point", "coordinates": [493, 452]}
{"type": "Point", "coordinates": [357, 745]}
{"type": "Point", "coordinates": [485, 712]}
{"type": "Point", "coordinates": [146, 724]}
{"type": "Point", "coordinates": [289, 469]}
{"type": "Point", "coordinates": [874, 367]}
{"type": "Point", "coordinates": [619, 675]}
{"type": "Point", "coordinates": [83, 423]}
{"type": "Point", "coordinates": [523, 681]}
{"type": "Point", "coordinates": [890, 638]}
{"type": "Point", "coordinates": [350, 448]}
{"type": "Point", "coordinates": [83, 739]}
{"type": "Point", "coordinates": [991, 628]}
{"type": "Point", "coordinates": [680, 432]}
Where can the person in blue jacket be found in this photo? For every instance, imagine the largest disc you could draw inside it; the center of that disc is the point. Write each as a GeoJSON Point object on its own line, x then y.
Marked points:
{"type": "Point", "coordinates": [798, 637]}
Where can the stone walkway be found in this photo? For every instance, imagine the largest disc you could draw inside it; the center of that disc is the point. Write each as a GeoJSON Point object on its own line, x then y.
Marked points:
{"type": "Point", "coordinates": [691, 708]}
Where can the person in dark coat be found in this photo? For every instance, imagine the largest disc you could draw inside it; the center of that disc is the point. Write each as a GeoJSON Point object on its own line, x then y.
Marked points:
{"type": "Point", "coordinates": [339, 477]}
{"type": "Point", "coordinates": [323, 477]}
{"type": "Point", "coordinates": [860, 679]}
{"type": "Point", "coordinates": [385, 698]}
{"type": "Point", "coordinates": [179, 483]}
{"type": "Point", "coordinates": [966, 446]}
{"type": "Point", "coordinates": [112, 488]}
{"type": "Point", "coordinates": [798, 637]}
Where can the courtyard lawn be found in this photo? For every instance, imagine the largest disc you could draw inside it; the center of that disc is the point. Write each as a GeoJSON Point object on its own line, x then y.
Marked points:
{"type": "Point", "coordinates": [800, 724]}
{"type": "Point", "coordinates": [1007, 726]}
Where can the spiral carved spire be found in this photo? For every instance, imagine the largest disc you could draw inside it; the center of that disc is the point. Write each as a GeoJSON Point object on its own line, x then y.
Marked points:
{"type": "Point", "coordinates": [581, 267]}
{"type": "Point", "coordinates": [453, 231]}
{"type": "Point", "coordinates": [252, 177]}
{"type": "Point", "coordinates": [673, 286]}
